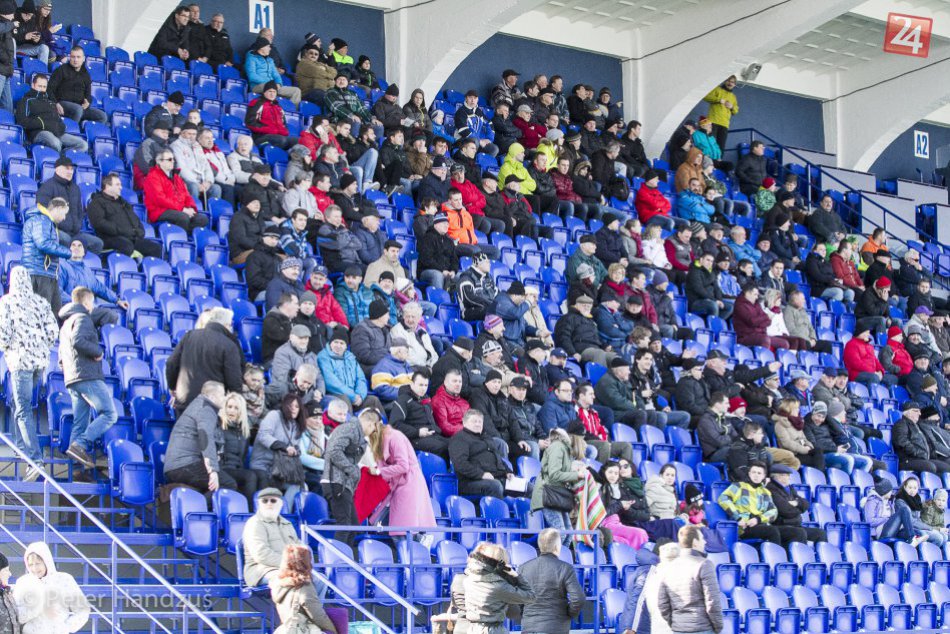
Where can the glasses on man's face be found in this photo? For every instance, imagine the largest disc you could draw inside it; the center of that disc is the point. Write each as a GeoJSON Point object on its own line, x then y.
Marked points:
{"type": "Point", "coordinates": [270, 500]}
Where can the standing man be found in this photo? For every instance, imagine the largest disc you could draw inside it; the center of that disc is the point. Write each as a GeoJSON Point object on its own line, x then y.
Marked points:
{"type": "Point", "coordinates": [70, 86]}
{"type": "Point", "coordinates": [81, 357]}
{"type": "Point", "coordinates": [559, 597]}
{"type": "Point", "coordinates": [42, 250]}
{"type": "Point", "coordinates": [28, 331]}
{"type": "Point", "coordinates": [689, 597]}
{"type": "Point", "coordinates": [341, 472]}
{"type": "Point", "coordinates": [7, 53]}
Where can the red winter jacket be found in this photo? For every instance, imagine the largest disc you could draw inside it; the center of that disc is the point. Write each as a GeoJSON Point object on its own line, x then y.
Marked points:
{"type": "Point", "coordinates": [448, 411]}
{"type": "Point", "coordinates": [472, 199]}
{"type": "Point", "coordinates": [749, 320]}
{"type": "Point", "coordinates": [531, 133]}
{"type": "Point", "coordinates": [564, 185]}
{"type": "Point", "coordinates": [323, 198]}
{"type": "Point", "coordinates": [846, 271]}
{"type": "Point", "coordinates": [312, 142]}
{"type": "Point", "coordinates": [165, 192]}
{"type": "Point", "coordinates": [901, 357]}
{"type": "Point", "coordinates": [859, 356]}
{"type": "Point", "coordinates": [650, 202]}
{"type": "Point", "coordinates": [328, 309]}
{"type": "Point", "coordinates": [266, 117]}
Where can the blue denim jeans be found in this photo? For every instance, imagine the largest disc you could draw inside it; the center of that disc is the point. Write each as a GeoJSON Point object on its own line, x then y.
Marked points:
{"type": "Point", "coordinates": [64, 142]}
{"type": "Point", "coordinates": [433, 278]}
{"type": "Point", "coordinates": [23, 416]}
{"type": "Point", "coordinates": [364, 168]}
{"type": "Point", "coordinates": [559, 520]}
{"type": "Point", "coordinates": [848, 462]}
{"type": "Point", "coordinates": [39, 51]}
{"type": "Point", "coordinates": [6, 94]}
{"type": "Point", "coordinates": [87, 395]}
{"type": "Point", "coordinates": [77, 113]}
{"type": "Point", "coordinates": [900, 524]}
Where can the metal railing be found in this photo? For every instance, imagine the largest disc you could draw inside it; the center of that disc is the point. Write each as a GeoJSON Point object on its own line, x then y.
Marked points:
{"type": "Point", "coordinates": [51, 487]}
{"type": "Point", "coordinates": [409, 532]}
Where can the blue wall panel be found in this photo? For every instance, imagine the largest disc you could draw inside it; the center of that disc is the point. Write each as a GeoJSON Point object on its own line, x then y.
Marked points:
{"type": "Point", "coordinates": [898, 160]}
{"type": "Point", "coordinates": [789, 119]}
{"type": "Point", "coordinates": [360, 27]}
{"type": "Point", "coordinates": [72, 12]}
{"type": "Point", "coordinates": [482, 68]}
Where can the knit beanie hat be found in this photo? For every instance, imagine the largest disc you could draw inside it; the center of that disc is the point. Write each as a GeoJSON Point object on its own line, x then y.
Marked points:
{"type": "Point", "coordinates": [737, 402]}
{"type": "Point", "coordinates": [883, 487]}
{"type": "Point", "coordinates": [835, 409]}
{"type": "Point", "coordinates": [377, 309]}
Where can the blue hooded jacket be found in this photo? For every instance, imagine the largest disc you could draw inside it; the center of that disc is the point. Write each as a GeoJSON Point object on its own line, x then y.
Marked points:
{"type": "Point", "coordinates": [261, 70]}
{"type": "Point", "coordinates": [74, 273]}
{"type": "Point", "coordinates": [513, 316]}
{"type": "Point", "coordinates": [342, 374]}
{"type": "Point", "coordinates": [556, 413]}
{"type": "Point", "coordinates": [694, 207]}
{"type": "Point", "coordinates": [41, 248]}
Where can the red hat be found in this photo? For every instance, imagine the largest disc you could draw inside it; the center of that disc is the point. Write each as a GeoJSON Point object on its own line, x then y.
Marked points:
{"type": "Point", "coordinates": [894, 331]}
{"type": "Point", "coordinates": [703, 120]}
{"type": "Point", "coordinates": [768, 182]}
{"type": "Point", "coordinates": [882, 282]}
{"type": "Point", "coordinates": [736, 402]}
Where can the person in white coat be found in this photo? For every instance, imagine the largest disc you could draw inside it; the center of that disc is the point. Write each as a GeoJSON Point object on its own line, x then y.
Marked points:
{"type": "Point", "coordinates": [193, 167]}
{"type": "Point", "coordinates": [48, 602]}
{"type": "Point", "coordinates": [421, 351]}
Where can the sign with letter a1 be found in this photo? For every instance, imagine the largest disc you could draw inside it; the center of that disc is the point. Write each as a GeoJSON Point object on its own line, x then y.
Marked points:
{"type": "Point", "coordinates": [261, 14]}
{"type": "Point", "coordinates": [921, 144]}
{"type": "Point", "coordinates": [907, 35]}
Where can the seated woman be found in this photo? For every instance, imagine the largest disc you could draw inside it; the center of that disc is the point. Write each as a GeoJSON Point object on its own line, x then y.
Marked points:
{"type": "Point", "coordinates": [887, 519]}
{"type": "Point", "coordinates": [778, 328]}
{"type": "Point", "coordinates": [661, 494]}
{"type": "Point", "coordinates": [909, 496]}
{"type": "Point", "coordinates": [623, 496]}
{"type": "Point", "coordinates": [791, 435]}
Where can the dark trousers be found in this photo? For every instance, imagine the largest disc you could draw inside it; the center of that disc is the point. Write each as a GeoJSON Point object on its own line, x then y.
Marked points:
{"type": "Point", "coordinates": [917, 464]}
{"type": "Point", "coordinates": [48, 289]}
{"type": "Point", "coordinates": [722, 135]}
{"type": "Point", "coordinates": [182, 219]}
{"type": "Point", "coordinates": [283, 142]}
{"type": "Point", "coordinates": [243, 481]}
{"type": "Point", "coordinates": [342, 509]}
{"type": "Point", "coordinates": [781, 535]}
{"type": "Point", "coordinates": [438, 444]}
{"type": "Point", "coordinates": [126, 246]}
{"type": "Point", "coordinates": [194, 475]}
{"type": "Point", "coordinates": [489, 488]}
{"type": "Point", "coordinates": [815, 459]}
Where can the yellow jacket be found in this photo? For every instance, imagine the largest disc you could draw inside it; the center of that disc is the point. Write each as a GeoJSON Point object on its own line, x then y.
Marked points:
{"type": "Point", "coordinates": [513, 166]}
{"type": "Point", "coordinates": [719, 114]}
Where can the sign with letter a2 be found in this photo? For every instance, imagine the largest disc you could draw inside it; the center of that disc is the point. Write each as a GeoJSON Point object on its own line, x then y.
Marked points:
{"type": "Point", "coordinates": [921, 144]}
{"type": "Point", "coordinates": [907, 35]}
{"type": "Point", "coordinates": [261, 15]}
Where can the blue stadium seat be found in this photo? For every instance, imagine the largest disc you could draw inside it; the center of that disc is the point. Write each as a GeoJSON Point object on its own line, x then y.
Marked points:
{"type": "Point", "coordinates": [133, 479]}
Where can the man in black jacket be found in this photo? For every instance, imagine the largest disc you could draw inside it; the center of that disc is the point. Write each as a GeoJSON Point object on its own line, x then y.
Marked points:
{"type": "Point", "coordinates": [412, 415]}
{"type": "Point", "coordinates": [37, 113]}
{"type": "Point", "coordinates": [691, 392]}
{"type": "Point", "coordinates": [751, 169]}
{"type": "Point", "coordinates": [536, 352]}
{"type": "Point", "coordinates": [212, 353]}
{"type": "Point", "coordinates": [7, 52]}
{"type": "Point", "coordinates": [873, 310]}
{"type": "Point", "coordinates": [71, 87]}
{"type": "Point", "coordinates": [438, 260]}
{"type": "Point", "coordinates": [632, 153]}
{"type": "Point", "coordinates": [610, 247]}
{"type": "Point", "coordinates": [746, 450]}
{"type": "Point", "coordinates": [62, 185]}
{"type": "Point", "coordinates": [455, 358]}
{"type": "Point", "coordinates": [173, 36]}
{"type": "Point", "coordinates": [169, 112]}
{"type": "Point", "coordinates": [559, 597]}
{"type": "Point", "coordinates": [220, 52]}
{"type": "Point", "coordinates": [911, 444]}
{"type": "Point", "coordinates": [199, 45]}
{"type": "Point", "coordinates": [825, 222]}
{"type": "Point", "coordinates": [262, 263]}
{"type": "Point", "coordinates": [246, 229]}
{"type": "Point", "coordinates": [115, 222]}
{"type": "Point", "coordinates": [267, 190]}
{"type": "Point", "coordinates": [392, 169]}
{"type": "Point", "coordinates": [703, 292]}
{"type": "Point", "coordinates": [80, 356]}
{"type": "Point", "coordinates": [576, 332]}
{"type": "Point", "coordinates": [478, 462]}
{"type": "Point", "coordinates": [821, 276]}
{"type": "Point", "coordinates": [790, 505]}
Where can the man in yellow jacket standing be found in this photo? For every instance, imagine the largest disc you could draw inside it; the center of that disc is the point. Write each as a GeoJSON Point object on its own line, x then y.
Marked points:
{"type": "Point", "coordinates": [722, 106]}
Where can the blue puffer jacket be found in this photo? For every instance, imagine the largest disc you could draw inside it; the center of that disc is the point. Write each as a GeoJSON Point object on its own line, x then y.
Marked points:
{"type": "Point", "coordinates": [513, 316]}
{"type": "Point", "coordinates": [342, 374]}
{"type": "Point", "coordinates": [41, 247]}
{"type": "Point", "coordinates": [694, 207]}
{"type": "Point", "coordinates": [73, 274]}
{"type": "Point", "coordinates": [261, 70]}
{"type": "Point", "coordinates": [707, 145]}
{"type": "Point", "coordinates": [354, 303]}
{"type": "Point", "coordinates": [79, 351]}
{"type": "Point", "coordinates": [745, 251]}
{"type": "Point", "coordinates": [612, 327]}
{"type": "Point", "coordinates": [556, 413]}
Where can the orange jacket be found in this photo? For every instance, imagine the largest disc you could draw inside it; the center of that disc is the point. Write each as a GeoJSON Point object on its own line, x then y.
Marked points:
{"type": "Point", "coordinates": [461, 228]}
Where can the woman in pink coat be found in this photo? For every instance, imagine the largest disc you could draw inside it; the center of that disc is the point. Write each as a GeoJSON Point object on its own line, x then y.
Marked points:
{"type": "Point", "coordinates": [410, 504]}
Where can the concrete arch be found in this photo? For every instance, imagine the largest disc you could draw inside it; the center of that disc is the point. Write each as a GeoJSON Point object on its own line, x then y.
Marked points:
{"type": "Point", "coordinates": [680, 60]}
{"type": "Point", "coordinates": [878, 105]}
{"type": "Point", "coordinates": [425, 42]}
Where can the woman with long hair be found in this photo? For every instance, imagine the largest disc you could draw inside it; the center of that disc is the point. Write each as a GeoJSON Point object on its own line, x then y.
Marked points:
{"type": "Point", "coordinates": [791, 435]}
{"type": "Point", "coordinates": [232, 441]}
{"type": "Point", "coordinates": [417, 110]}
{"type": "Point", "coordinates": [295, 596]}
{"type": "Point", "coordinates": [778, 328]}
{"type": "Point", "coordinates": [654, 249]}
{"type": "Point", "coordinates": [623, 495]}
{"type": "Point", "coordinates": [410, 503]}
{"type": "Point", "coordinates": [909, 495]}
{"type": "Point", "coordinates": [661, 495]}
{"type": "Point", "coordinates": [279, 433]}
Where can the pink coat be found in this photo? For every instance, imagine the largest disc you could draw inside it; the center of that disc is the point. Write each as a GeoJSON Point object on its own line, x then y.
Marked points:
{"type": "Point", "coordinates": [410, 504]}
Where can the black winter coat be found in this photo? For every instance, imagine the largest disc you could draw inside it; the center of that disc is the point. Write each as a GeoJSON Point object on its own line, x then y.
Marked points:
{"type": "Point", "coordinates": [559, 597]}
{"type": "Point", "coordinates": [741, 454]}
{"type": "Point", "coordinates": [751, 171]}
{"type": "Point", "coordinates": [36, 112]}
{"type": "Point", "coordinates": [261, 267]}
{"type": "Point", "coordinates": [57, 187]}
{"type": "Point", "coordinates": [170, 38]}
{"type": "Point", "coordinates": [68, 84]}
{"type": "Point", "coordinates": [633, 153]}
{"type": "Point", "coordinates": [389, 155]}
{"type": "Point", "coordinates": [602, 167]}
{"type": "Point", "coordinates": [451, 360]}
{"type": "Point", "coordinates": [495, 409]}
{"type": "Point", "coordinates": [819, 273]}
{"type": "Point", "coordinates": [609, 246]}
{"type": "Point", "coordinates": [475, 454]}
{"type": "Point", "coordinates": [220, 50]}
{"type": "Point", "coordinates": [692, 396]}
{"type": "Point", "coordinates": [270, 200]}
{"type": "Point", "coordinates": [788, 515]}
{"type": "Point", "coordinates": [731, 381]}
{"type": "Point", "coordinates": [907, 278]}
{"type": "Point", "coordinates": [701, 284]}
{"type": "Point", "coordinates": [824, 224]}
{"type": "Point", "coordinates": [411, 414]}
{"type": "Point", "coordinates": [437, 252]}
{"type": "Point", "coordinates": [232, 448]}
{"type": "Point", "coordinates": [7, 47]}
{"type": "Point", "coordinates": [576, 333]}
{"type": "Point", "coordinates": [538, 392]}
{"type": "Point", "coordinates": [79, 351]}
{"type": "Point", "coordinates": [159, 113]}
{"type": "Point", "coordinates": [871, 305]}
{"type": "Point", "coordinates": [524, 415]}
{"type": "Point", "coordinates": [114, 218]}
{"type": "Point", "coordinates": [909, 441]}
{"type": "Point", "coordinates": [244, 232]}
{"type": "Point", "coordinates": [199, 44]}
{"type": "Point", "coordinates": [212, 353]}
{"type": "Point", "coordinates": [587, 189]}
{"type": "Point", "coordinates": [544, 184]}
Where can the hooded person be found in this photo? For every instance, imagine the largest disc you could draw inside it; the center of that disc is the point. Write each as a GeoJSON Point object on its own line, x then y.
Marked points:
{"type": "Point", "coordinates": [50, 602]}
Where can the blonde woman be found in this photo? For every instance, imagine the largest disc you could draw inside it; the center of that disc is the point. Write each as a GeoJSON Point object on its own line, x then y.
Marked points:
{"type": "Point", "coordinates": [232, 438]}
{"type": "Point", "coordinates": [410, 504]}
{"type": "Point", "coordinates": [654, 250]}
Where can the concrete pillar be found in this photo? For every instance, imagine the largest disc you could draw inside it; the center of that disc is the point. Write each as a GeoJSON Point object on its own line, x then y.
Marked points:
{"type": "Point", "coordinates": [680, 60]}
{"type": "Point", "coordinates": [131, 26]}
{"type": "Point", "coordinates": [878, 104]}
{"type": "Point", "coordinates": [425, 42]}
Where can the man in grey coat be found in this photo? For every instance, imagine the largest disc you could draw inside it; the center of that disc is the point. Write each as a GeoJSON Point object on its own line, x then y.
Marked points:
{"type": "Point", "coordinates": [265, 537]}
{"type": "Point", "coordinates": [288, 359]}
{"type": "Point", "coordinates": [341, 472]}
{"type": "Point", "coordinates": [689, 596]}
{"type": "Point", "coordinates": [559, 597]}
{"type": "Point", "coordinates": [192, 455]}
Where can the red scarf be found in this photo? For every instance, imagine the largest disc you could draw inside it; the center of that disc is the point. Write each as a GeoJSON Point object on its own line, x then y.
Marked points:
{"type": "Point", "coordinates": [591, 421]}
{"type": "Point", "coordinates": [213, 149]}
{"type": "Point", "coordinates": [797, 422]}
{"type": "Point", "coordinates": [329, 424]}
